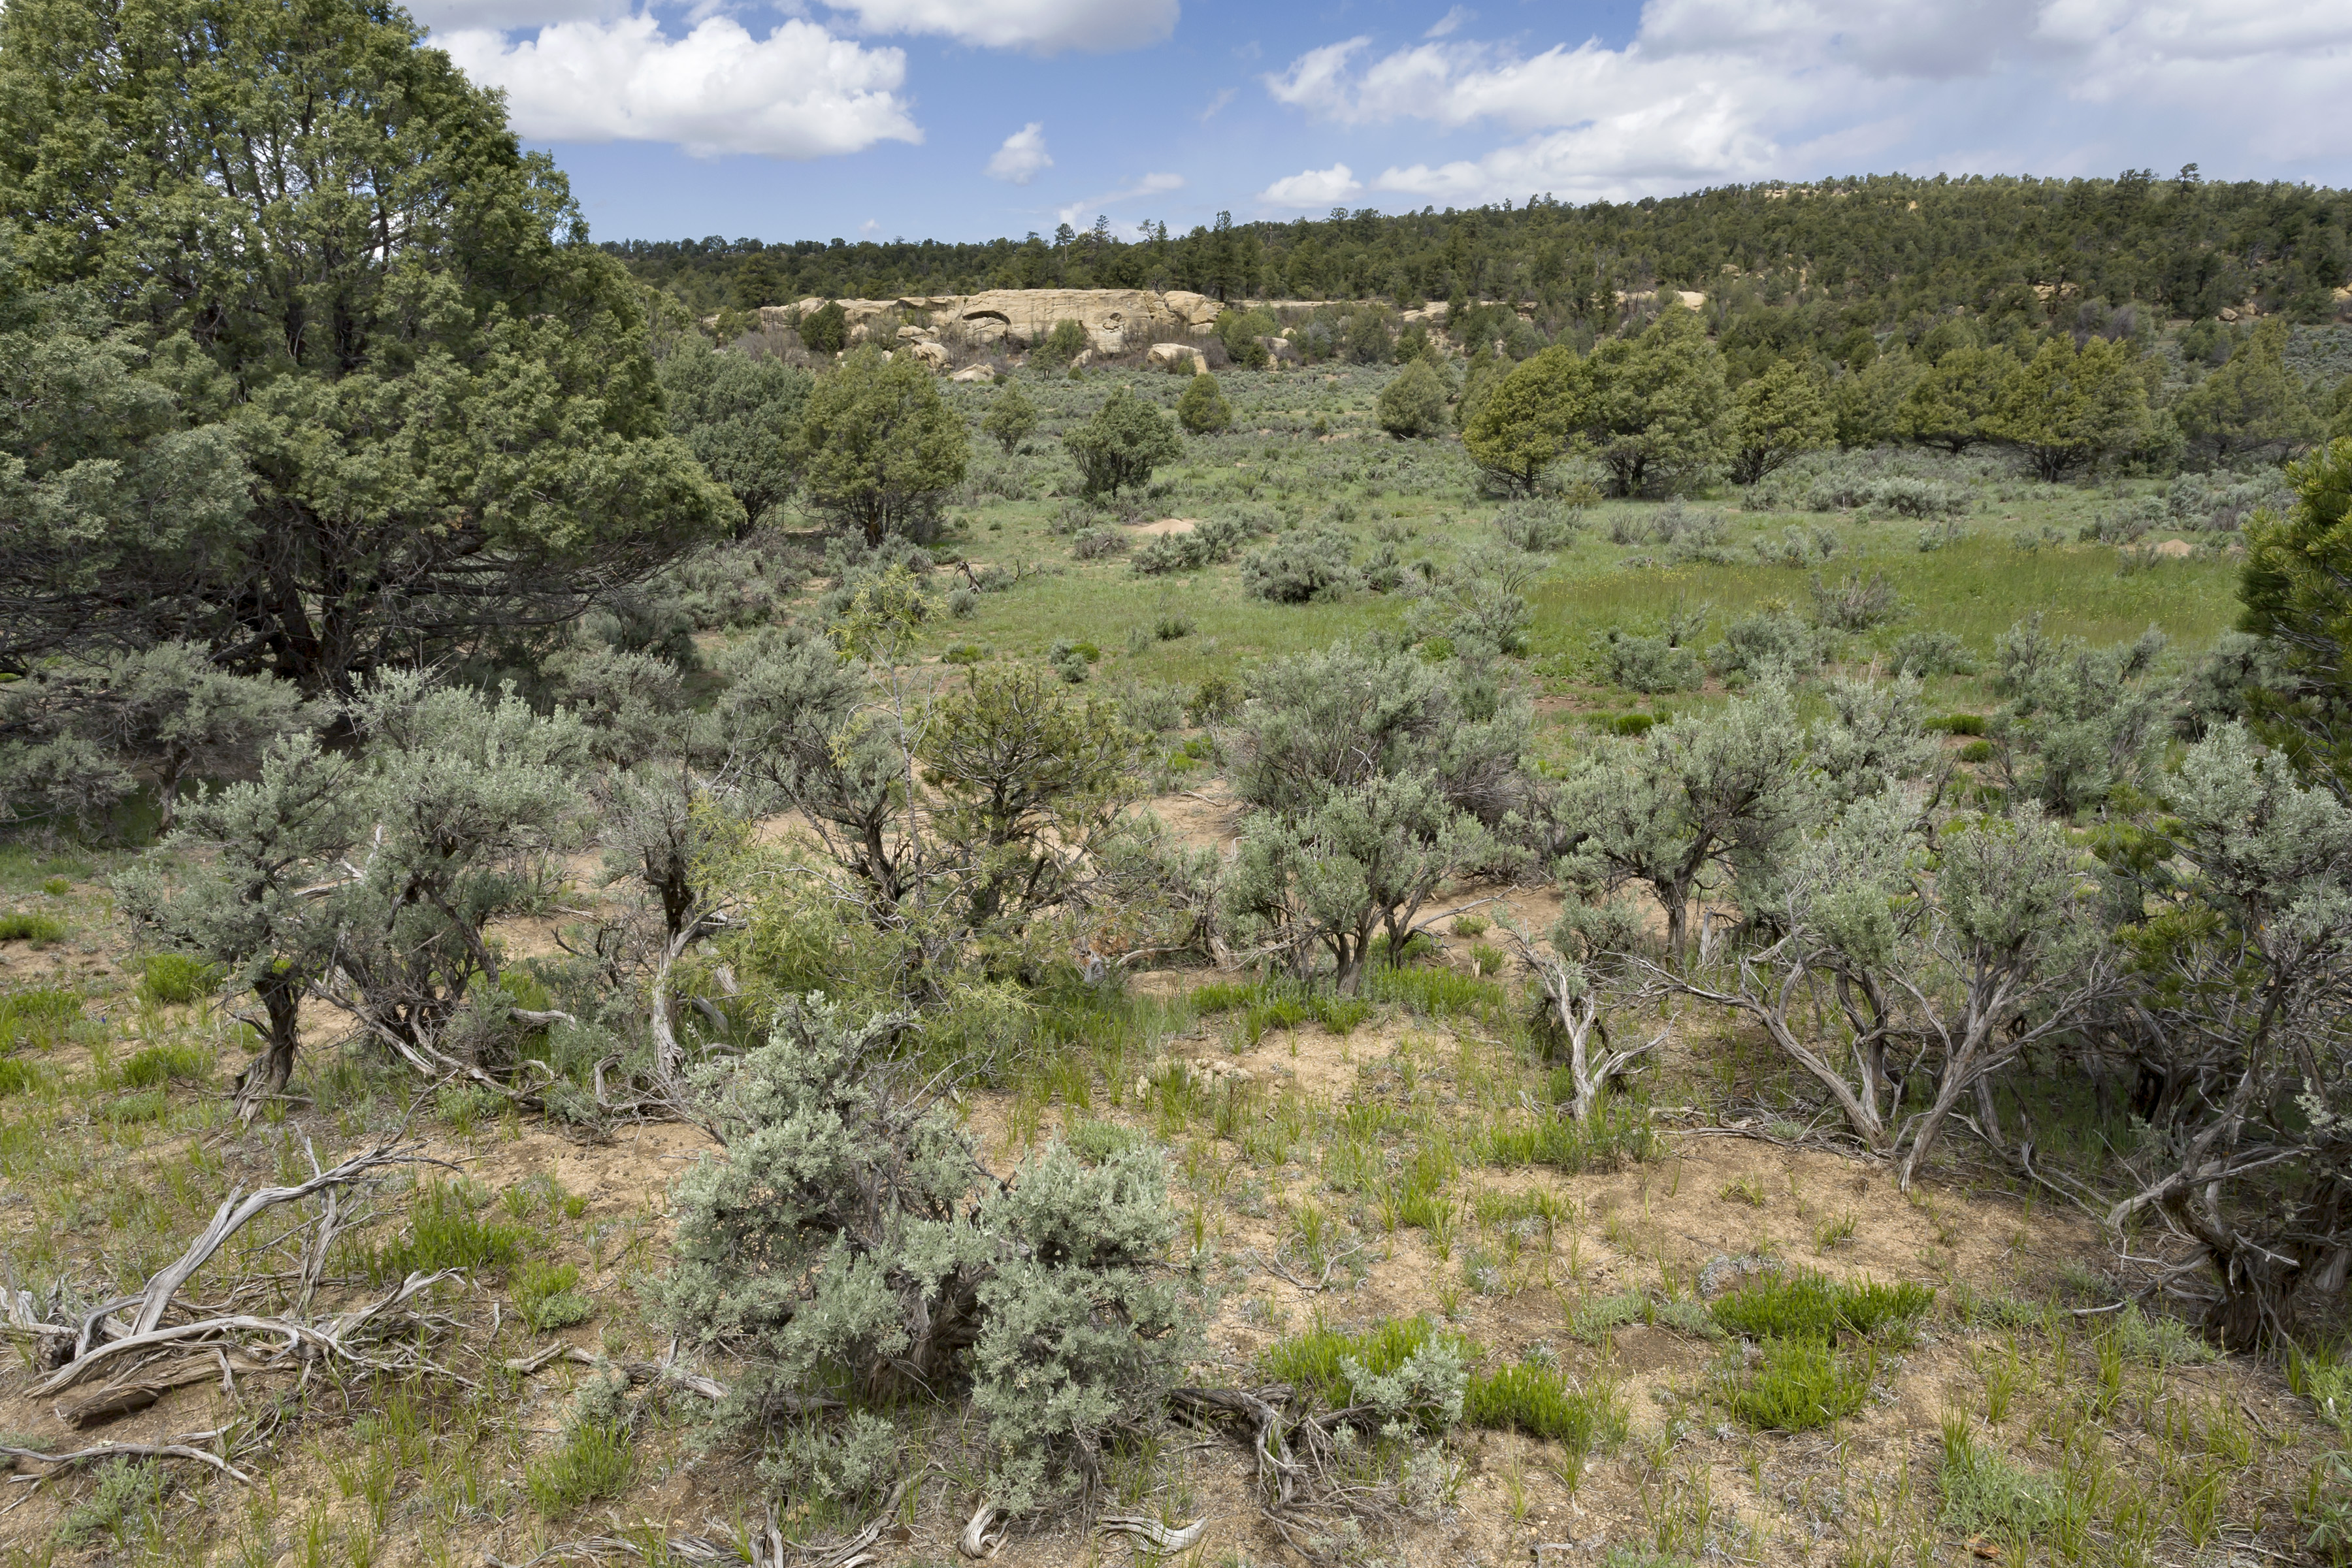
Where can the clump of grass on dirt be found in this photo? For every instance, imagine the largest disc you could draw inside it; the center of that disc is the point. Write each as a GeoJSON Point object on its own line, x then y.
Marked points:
{"type": "Point", "coordinates": [38, 930]}
{"type": "Point", "coordinates": [549, 1296]}
{"type": "Point", "coordinates": [175, 979]}
{"type": "Point", "coordinates": [1617, 1133]}
{"type": "Point", "coordinates": [1987, 1493]}
{"type": "Point", "coordinates": [1534, 1396]}
{"type": "Point", "coordinates": [594, 1460]}
{"type": "Point", "coordinates": [158, 1064]}
{"type": "Point", "coordinates": [1267, 1007]}
{"type": "Point", "coordinates": [1803, 1304]}
{"type": "Point", "coordinates": [1797, 1384]}
{"type": "Point", "coordinates": [39, 1016]}
{"type": "Point", "coordinates": [444, 1232]}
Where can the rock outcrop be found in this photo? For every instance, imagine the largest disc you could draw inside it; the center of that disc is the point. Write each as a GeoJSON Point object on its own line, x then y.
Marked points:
{"type": "Point", "coordinates": [1114, 319]}
{"type": "Point", "coordinates": [1178, 356]}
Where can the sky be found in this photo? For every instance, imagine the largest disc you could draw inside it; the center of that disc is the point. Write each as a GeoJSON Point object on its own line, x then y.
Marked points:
{"type": "Point", "coordinates": [970, 118]}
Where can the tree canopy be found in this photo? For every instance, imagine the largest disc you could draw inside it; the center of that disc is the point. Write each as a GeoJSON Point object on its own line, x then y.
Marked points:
{"type": "Point", "coordinates": [321, 245]}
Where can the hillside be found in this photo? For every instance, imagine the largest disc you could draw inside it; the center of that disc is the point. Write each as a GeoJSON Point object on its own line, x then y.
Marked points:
{"type": "Point", "coordinates": [1790, 264]}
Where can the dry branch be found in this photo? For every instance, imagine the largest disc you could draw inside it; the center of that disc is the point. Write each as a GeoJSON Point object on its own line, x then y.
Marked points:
{"type": "Point", "coordinates": [181, 1447]}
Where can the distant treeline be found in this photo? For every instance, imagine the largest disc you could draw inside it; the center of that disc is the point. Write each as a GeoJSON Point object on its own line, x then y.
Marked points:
{"type": "Point", "coordinates": [1789, 263]}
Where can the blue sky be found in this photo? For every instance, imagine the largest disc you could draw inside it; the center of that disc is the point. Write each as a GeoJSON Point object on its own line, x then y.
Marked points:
{"type": "Point", "coordinates": [968, 119]}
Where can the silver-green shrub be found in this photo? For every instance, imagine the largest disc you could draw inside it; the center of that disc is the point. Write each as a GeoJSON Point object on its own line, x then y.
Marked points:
{"type": "Point", "coordinates": [850, 1249]}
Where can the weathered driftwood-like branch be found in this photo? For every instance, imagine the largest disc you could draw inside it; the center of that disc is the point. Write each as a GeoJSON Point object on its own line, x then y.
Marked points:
{"type": "Point", "coordinates": [181, 1447]}
{"type": "Point", "coordinates": [232, 1215]}
{"type": "Point", "coordinates": [334, 1337]}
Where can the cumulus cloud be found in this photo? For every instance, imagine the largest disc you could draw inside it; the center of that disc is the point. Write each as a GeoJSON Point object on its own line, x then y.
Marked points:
{"type": "Point", "coordinates": [1047, 26]}
{"type": "Point", "coordinates": [1312, 188]}
{"type": "Point", "coordinates": [1715, 90]}
{"type": "Point", "coordinates": [1022, 154]}
{"type": "Point", "coordinates": [800, 92]}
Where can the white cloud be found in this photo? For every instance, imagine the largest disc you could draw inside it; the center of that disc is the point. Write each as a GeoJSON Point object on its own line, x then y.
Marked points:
{"type": "Point", "coordinates": [1715, 90]}
{"type": "Point", "coordinates": [504, 15]}
{"type": "Point", "coordinates": [1225, 95]}
{"type": "Point", "coordinates": [1022, 154]}
{"type": "Point", "coordinates": [800, 92]}
{"type": "Point", "coordinates": [1312, 188]}
{"type": "Point", "coordinates": [1047, 26]}
{"type": "Point", "coordinates": [1451, 22]}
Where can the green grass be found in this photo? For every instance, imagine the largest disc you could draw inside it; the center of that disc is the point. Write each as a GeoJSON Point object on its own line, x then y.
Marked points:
{"type": "Point", "coordinates": [38, 930]}
{"type": "Point", "coordinates": [158, 1064]}
{"type": "Point", "coordinates": [1435, 992]}
{"type": "Point", "coordinates": [1265, 1007]}
{"type": "Point", "coordinates": [1796, 1385]}
{"type": "Point", "coordinates": [1617, 1133]}
{"type": "Point", "coordinates": [17, 1078]}
{"type": "Point", "coordinates": [1313, 1361]}
{"type": "Point", "coordinates": [1987, 1493]}
{"type": "Point", "coordinates": [1534, 1397]}
{"type": "Point", "coordinates": [444, 1232]}
{"type": "Point", "coordinates": [36, 1017]}
{"type": "Point", "coordinates": [175, 979]}
{"type": "Point", "coordinates": [549, 1295]}
{"type": "Point", "coordinates": [594, 1460]}
{"type": "Point", "coordinates": [1803, 1304]}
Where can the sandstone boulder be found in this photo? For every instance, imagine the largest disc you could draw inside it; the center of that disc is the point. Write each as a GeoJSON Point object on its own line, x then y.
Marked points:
{"type": "Point", "coordinates": [933, 355]}
{"type": "Point", "coordinates": [978, 372]}
{"type": "Point", "coordinates": [1178, 356]}
{"type": "Point", "coordinates": [1280, 351]}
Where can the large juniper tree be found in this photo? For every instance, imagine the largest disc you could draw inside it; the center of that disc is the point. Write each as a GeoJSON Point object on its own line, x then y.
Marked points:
{"type": "Point", "coordinates": [315, 236]}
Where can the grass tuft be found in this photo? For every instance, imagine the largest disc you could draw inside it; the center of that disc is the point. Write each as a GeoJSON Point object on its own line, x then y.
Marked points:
{"type": "Point", "coordinates": [444, 1232]}
{"type": "Point", "coordinates": [549, 1296]}
{"type": "Point", "coordinates": [175, 979]}
{"type": "Point", "coordinates": [158, 1065]}
{"type": "Point", "coordinates": [592, 1461]}
{"type": "Point", "coordinates": [1617, 1133]}
{"type": "Point", "coordinates": [38, 930]}
{"type": "Point", "coordinates": [1535, 1396]}
{"type": "Point", "coordinates": [36, 1017]}
{"type": "Point", "coordinates": [1803, 1304]}
{"type": "Point", "coordinates": [1796, 1385]}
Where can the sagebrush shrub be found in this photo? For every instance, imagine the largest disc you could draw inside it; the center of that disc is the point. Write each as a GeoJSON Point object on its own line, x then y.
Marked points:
{"type": "Point", "coordinates": [1307, 564]}
{"type": "Point", "coordinates": [851, 1250]}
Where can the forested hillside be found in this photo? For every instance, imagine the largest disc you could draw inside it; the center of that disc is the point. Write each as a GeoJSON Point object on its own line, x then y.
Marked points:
{"type": "Point", "coordinates": [1877, 252]}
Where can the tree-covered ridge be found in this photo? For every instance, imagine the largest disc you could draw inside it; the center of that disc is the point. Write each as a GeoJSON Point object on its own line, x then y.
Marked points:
{"type": "Point", "coordinates": [1867, 251]}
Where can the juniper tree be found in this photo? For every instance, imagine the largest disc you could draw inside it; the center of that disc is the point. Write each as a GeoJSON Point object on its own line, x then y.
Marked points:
{"type": "Point", "coordinates": [1775, 416]}
{"type": "Point", "coordinates": [878, 448]}
{"type": "Point", "coordinates": [1121, 442]}
{"type": "Point", "coordinates": [1413, 404]}
{"type": "Point", "coordinates": [1660, 408]}
{"type": "Point", "coordinates": [1011, 418]}
{"type": "Point", "coordinates": [736, 413]}
{"type": "Point", "coordinates": [1527, 418]}
{"type": "Point", "coordinates": [1202, 410]}
{"type": "Point", "coordinates": [2068, 408]}
{"type": "Point", "coordinates": [1952, 403]}
{"type": "Point", "coordinates": [2294, 587]}
{"type": "Point", "coordinates": [326, 247]}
